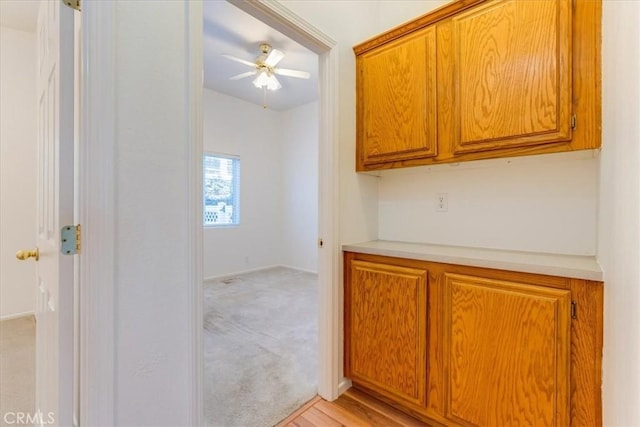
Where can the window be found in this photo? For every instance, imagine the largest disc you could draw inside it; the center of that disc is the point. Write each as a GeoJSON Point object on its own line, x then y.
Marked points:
{"type": "Point", "coordinates": [221, 190]}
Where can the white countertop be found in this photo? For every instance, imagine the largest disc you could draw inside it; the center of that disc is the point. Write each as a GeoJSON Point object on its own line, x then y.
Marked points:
{"type": "Point", "coordinates": [574, 266]}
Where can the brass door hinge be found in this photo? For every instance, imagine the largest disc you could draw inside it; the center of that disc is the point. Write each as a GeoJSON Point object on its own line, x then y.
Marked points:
{"type": "Point", "coordinates": [74, 4]}
{"type": "Point", "coordinates": [574, 310]}
{"type": "Point", "coordinates": [70, 240]}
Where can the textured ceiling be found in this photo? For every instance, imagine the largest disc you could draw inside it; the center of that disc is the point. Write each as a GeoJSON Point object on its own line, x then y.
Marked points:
{"type": "Point", "coordinates": [229, 30]}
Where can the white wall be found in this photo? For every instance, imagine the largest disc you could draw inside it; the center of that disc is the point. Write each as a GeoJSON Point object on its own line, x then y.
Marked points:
{"type": "Point", "coordinates": [348, 23]}
{"type": "Point", "coordinates": [278, 185]}
{"type": "Point", "coordinates": [619, 215]}
{"type": "Point", "coordinates": [152, 270]}
{"type": "Point", "coordinates": [396, 12]}
{"type": "Point", "coordinates": [152, 245]}
{"type": "Point", "coordinates": [152, 273]}
{"type": "Point", "coordinates": [616, 235]}
{"type": "Point", "coordinates": [17, 170]}
{"type": "Point", "coordinates": [538, 203]}
{"type": "Point", "coordinates": [233, 126]}
{"type": "Point", "coordinates": [300, 187]}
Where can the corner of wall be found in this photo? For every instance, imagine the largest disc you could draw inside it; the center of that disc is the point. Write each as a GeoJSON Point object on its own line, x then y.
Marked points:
{"type": "Point", "coordinates": [619, 211]}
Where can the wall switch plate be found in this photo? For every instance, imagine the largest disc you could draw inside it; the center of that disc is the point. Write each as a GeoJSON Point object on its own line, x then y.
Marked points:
{"type": "Point", "coordinates": [442, 202]}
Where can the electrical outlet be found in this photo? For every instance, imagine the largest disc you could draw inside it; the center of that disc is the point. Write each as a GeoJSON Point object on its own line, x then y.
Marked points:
{"type": "Point", "coordinates": [442, 202]}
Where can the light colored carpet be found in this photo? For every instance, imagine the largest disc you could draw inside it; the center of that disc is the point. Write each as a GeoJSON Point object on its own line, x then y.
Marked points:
{"type": "Point", "coordinates": [17, 367]}
{"type": "Point", "coordinates": [260, 345]}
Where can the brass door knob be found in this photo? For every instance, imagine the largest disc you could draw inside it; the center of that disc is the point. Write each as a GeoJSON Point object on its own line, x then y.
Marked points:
{"type": "Point", "coordinates": [26, 254]}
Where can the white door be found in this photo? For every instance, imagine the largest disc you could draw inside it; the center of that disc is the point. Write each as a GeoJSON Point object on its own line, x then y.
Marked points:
{"type": "Point", "coordinates": [54, 307]}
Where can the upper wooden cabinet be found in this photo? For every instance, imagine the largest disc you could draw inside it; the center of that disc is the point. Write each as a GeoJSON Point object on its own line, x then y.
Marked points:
{"type": "Point", "coordinates": [480, 79]}
{"type": "Point", "coordinates": [508, 74]}
{"type": "Point", "coordinates": [398, 99]}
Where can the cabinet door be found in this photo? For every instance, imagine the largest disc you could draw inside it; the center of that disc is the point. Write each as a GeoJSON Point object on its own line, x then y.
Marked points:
{"type": "Point", "coordinates": [386, 331]}
{"type": "Point", "coordinates": [509, 76]}
{"type": "Point", "coordinates": [507, 353]}
{"type": "Point", "coordinates": [397, 100]}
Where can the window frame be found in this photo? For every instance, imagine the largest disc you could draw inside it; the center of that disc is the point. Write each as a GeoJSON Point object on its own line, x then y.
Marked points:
{"type": "Point", "coordinates": [236, 189]}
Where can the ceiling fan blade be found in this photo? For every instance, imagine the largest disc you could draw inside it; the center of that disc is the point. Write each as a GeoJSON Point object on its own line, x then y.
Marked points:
{"type": "Point", "coordinates": [274, 57]}
{"type": "Point", "coordinates": [243, 75]}
{"type": "Point", "coordinates": [292, 73]}
{"type": "Point", "coordinates": [240, 60]}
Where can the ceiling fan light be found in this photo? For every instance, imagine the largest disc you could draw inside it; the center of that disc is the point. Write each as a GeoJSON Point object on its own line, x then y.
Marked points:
{"type": "Point", "coordinates": [264, 79]}
{"type": "Point", "coordinates": [261, 81]}
{"type": "Point", "coordinates": [273, 84]}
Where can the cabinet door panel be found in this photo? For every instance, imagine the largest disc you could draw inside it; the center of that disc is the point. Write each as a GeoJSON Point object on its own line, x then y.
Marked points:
{"type": "Point", "coordinates": [385, 325]}
{"type": "Point", "coordinates": [512, 74]}
{"type": "Point", "coordinates": [506, 353]}
{"type": "Point", "coordinates": [397, 100]}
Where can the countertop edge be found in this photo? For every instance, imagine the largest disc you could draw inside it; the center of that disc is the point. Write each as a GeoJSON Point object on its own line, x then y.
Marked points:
{"type": "Point", "coordinates": [485, 258]}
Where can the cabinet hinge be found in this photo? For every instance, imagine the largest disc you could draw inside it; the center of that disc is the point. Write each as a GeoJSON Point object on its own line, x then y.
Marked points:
{"type": "Point", "coordinates": [574, 310]}
{"type": "Point", "coordinates": [70, 240]}
{"type": "Point", "coordinates": [574, 120]}
{"type": "Point", "coordinates": [74, 4]}
{"type": "Point", "coordinates": [321, 243]}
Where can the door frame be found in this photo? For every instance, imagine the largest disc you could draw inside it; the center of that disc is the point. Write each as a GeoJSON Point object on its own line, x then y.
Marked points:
{"type": "Point", "coordinates": [96, 191]}
{"type": "Point", "coordinates": [97, 208]}
{"type": "Point", "coordinates": [293, 26]}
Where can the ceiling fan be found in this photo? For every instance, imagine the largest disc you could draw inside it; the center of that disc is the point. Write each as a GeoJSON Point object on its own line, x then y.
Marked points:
{"type": "Point", "coordinates": [265, 68]}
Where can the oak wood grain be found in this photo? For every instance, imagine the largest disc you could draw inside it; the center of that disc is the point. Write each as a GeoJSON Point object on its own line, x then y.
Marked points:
{"type": "Point", "coordinates": [418, 23]}
{"type": "Point", "coordinates": [508, 105]}
{"type": "Point", "coordinates": [352, 409]}
{"type": "Point", "coordinates": [377, 405]}
{"type": "Point", "coordinates": [315, 417]}
{"type": "Point", "coordinates": [583, 343]}
{"type": "Point", "coordinates": [507, 353]}
{"type": "Point", "coordinates": [587, 70]}
{"type": "Point", "coordinates": [586, 353]}
{"type": "Point", "coordinates": [386, 316]}
{"type": "Point", "coordinates": [397, 99]}
{"type": "Point", "coordinates": [435, 350]}
{"type": "Point", "coordinates": [344, 416]}
{"type": "Point", "coordinates": [288, 420]}
{"type": "Point", "coordinates": [365, 412]}
{"type": "Point", "coordinates": [512, 74]}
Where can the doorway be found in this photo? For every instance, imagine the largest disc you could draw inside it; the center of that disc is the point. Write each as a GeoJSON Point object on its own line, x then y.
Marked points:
{"type": "Point", "coordinates": [280, 18]}
{"type": "Point", "coordinates": [260, 220]}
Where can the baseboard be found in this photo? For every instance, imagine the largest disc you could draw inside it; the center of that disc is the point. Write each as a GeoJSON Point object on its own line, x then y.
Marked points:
{"type": "Point", "coordinates": [237, 273]}
{"type": "Point", "coordinates": [304, 270]}
{"type": "Point", "coordinates": [17, 315]}
{"type": "Point", "coordinates": [253, 270]}
{"type": "Point", "coordinates": [344, 385]}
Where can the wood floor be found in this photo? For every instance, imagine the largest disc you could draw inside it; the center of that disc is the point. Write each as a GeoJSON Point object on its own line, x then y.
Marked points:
{"type": "Point", "coordinates": [352, 409]}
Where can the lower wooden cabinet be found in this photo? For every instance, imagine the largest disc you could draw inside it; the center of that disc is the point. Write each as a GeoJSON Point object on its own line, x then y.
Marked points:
{"type": "Point", "coordinates": [506, 352]}
{"type": "Point", "coordinates": [388, 314]}
{"type": "Point", "coordinates": [467, 346]}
